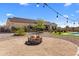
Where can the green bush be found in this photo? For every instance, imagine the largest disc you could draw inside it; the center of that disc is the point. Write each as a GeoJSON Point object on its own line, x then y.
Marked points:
{"type": "Point", "coordinates": [19, 32]}
{"type": "Point", "coordinates": [40, 26]}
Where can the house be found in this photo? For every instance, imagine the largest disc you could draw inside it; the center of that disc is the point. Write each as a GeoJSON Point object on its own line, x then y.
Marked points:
{"type": "Point", "coordinates": [21, 22]}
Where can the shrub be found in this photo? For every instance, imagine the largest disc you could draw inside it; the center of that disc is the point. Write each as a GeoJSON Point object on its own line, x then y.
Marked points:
{"type": "Point", "coordinates": [19, 32]}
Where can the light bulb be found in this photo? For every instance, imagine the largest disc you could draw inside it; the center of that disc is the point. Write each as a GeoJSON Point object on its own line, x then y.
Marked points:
{"type": "Point", "coordinates": [37, 5]}
{"type": "Point", "coordinates": [57, 18]}
{"type": "Point", "coordinates": [67, 21]}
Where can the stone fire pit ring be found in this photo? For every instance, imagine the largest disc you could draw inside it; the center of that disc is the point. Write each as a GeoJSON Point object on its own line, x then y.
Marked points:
{"type": "Point", "coordinates": [34, 40]}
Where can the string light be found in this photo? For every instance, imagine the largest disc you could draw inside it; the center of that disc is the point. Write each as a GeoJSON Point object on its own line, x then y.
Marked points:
{"type": "Point", "coordinates": [54, 10]}
{"type": "Point", "coordinates": [57, 16]}
{"type": "Point", "coordinates": [37, 5]}
{"type": "Point", "coordinates": [43, 5]}
{"type": "Point", "coordinates": [46, 5]}
{"type": "Point", "coordinates": [67, 21]}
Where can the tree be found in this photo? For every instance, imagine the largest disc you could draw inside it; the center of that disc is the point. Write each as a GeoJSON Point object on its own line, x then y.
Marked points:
{"type": "Point", "coordinates": [40, 25]}
{"type": "Point", "coordinates": [54, 28]}
{"type": "Point", "coordinates": [67, 28]}
{"type": "Point", "coordinates": [59, 30]}
{"type": "Point", "coordinates": [25, 28]}
{"type": "Point", "coordinates": [13, 29]}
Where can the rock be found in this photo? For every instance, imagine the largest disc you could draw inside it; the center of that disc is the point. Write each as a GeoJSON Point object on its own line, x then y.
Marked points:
{"type": "Point", "coordinates": [34, 40]}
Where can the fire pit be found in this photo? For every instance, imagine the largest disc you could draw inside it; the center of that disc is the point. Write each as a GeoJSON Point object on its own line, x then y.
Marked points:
{"type": "Point", "coordinates": [34, 40]}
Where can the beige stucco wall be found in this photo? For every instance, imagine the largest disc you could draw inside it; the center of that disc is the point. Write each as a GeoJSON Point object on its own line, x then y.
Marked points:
{"type": "Point", "coordinates": [9, 24]}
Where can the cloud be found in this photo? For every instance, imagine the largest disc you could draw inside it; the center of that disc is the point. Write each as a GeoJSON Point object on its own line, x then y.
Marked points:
{"type": "Point", "coordinates": [77, 11]}
{"type": "Point", "coordinates": [66, 16]}
{"type": "Point", "coordinates": [25, 4]}
{"type": "Point", "coordinates": [9, 14]}
{"type": "Point", "coordinates": [2, 24]}
{"type": "Point", "coordinates": [67, 4]}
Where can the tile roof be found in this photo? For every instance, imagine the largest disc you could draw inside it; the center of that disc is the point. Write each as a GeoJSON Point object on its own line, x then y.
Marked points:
{"type": "Point", "coordinates": [21, 20]}
{"type": "Point", "coordinates": [25, 20]}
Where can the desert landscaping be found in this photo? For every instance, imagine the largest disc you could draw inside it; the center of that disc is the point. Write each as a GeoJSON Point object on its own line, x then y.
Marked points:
{"type": "Point", "coordinates": [14, 46]}
{"type": "Point", "coordinates": [50, 30]}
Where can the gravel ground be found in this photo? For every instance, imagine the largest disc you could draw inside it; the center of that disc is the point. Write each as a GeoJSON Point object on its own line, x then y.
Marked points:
{"type": "Point", "coordinates": [14, 46]}
{"type": "Point", "coordinates": [72, 39]}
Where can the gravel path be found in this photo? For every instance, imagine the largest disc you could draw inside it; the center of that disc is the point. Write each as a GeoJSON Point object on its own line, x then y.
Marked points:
{"type": "Point", "coordinates": [77, 53]}
{"type": "Point", "coordinates": [14, 46]}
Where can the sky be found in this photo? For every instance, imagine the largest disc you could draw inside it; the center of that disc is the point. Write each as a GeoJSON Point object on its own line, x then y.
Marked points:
{"type": "Point", "coordinates": [34, 11]}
